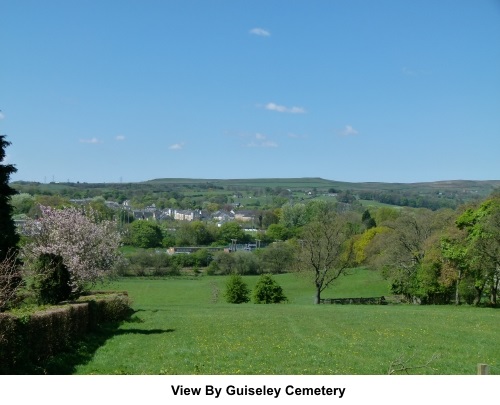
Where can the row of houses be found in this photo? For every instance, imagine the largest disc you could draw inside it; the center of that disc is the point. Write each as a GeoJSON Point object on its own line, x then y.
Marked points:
{"type": "Point", "coordinates": [154, 213]}
{"type": "Point", "coordinates": [220, 216]}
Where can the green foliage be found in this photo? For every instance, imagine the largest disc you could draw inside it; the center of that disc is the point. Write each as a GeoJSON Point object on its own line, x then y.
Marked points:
{"type": "Point", "coordinates": [194, 233]}
{"type": "Point", "coordinates": [277, 232]}
{"type": "Point", "coordinates": [363, 241]}
{"type": "Point", "coordinates": [277, 257]}
{"type": "Point", "coordinates": [22, 203]}
{"type": "Point", "coordinates": [222, 263]}
{"type": "Point", "coordinates": [145, 234]}
{"type": "Point", "coordinates": [482, 227]}
{"type": "Point", "coordinates": [51, 283]}
{"type": "Point", "coordinates": [237, 291]}
{"type": "Point", "coordinates": [267, 291]}
{"type": "Point", "coordinates": [293, 215]}
{"type": "Point", "coordinates": [245, 263]}
{"type": "Point", "coordinates": [232, 230]}
{"type": "Point", "coordinates": [367, 220]}
{"type": "Point", "coordinates": [202, 257]}
{"type": "Point", "coordinates": [145, 262]}
{"type": "Point", "coordinates": [384, 214]}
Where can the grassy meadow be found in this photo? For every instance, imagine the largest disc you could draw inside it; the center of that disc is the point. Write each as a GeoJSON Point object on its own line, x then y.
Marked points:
{"type": "Point", "coordinates": [183, 326]}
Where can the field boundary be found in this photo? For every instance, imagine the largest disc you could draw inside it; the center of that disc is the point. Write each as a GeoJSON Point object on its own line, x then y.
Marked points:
{"type": "Point", "coordinates": [359, 301]}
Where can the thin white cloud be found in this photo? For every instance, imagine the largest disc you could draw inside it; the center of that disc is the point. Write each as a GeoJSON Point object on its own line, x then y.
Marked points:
{"type": "Point", "coordinates": [176, 146]}
{"type": "Point", "coordinates": [261, 141]}
{"type": "Point", "coordinates": [283, 109]}
{"type": "Point", "coordinates": [2, 116]}
{"type": "Point", "coordinates": [348, 131]}
{"type": "Point", "coordinates": [261, 32]}
{"type": "Point", "coordinates": [296, 136]}
{"type": "Point", "coordinates": [91, 140]}
{"type": "Point", "coordinates": [119, 137]}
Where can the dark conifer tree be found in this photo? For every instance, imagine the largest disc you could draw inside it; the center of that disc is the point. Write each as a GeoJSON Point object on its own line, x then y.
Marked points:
{"type": "Point", "coordinates": [8, 235]}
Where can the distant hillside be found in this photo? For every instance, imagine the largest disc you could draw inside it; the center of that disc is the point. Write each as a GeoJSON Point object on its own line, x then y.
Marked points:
{"type": "Point", "coordinates": [480, 187]}
{"type": "Point", "coordinates": [433, 195]}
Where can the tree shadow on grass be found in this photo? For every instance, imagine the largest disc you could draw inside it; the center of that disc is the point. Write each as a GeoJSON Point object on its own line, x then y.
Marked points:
{"type": "Point", "coordinates": [83, 350]}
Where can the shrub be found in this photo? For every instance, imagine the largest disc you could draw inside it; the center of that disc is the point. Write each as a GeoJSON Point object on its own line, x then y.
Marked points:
{"type": "Point", "coordinates": [245, 263]}
{"type": "Point", "coordinates": [222, 263]}
{"type": "Point", "coordinates": [52, 280]}
{"type": "Point", "coordinates": [10, 281]}
{"type": "Point", "coordinates": [268, 291]}
{"type": "Point", "coordinates": [237, 292]}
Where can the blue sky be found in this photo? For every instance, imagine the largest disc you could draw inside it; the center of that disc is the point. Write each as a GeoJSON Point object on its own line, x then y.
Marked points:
{"type": "Point", "coordinates": [348, 90]}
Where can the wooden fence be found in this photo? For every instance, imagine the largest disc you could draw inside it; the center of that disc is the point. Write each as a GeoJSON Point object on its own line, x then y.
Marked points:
{"type": "Point", "coordinates": [358, 301]}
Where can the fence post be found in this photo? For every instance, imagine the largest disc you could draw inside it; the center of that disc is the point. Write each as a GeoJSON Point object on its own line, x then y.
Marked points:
{"type": "Point", "coordinates": [482, 369]}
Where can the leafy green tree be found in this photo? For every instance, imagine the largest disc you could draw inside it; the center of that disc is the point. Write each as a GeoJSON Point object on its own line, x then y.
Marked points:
{"type": "Point", "coordinates": [237, 291]}
{"type": "Point", "coordinates": [231, 230]}
{"type": "Point", "coordinates": [401, 252]}
{"type": "Point", "coordinates": [318, 209]}
{"type": "Point", "coordinates": [325, 251]}
{"type": "Point", "coordinates": [482, 226]}
{"type": "Point", "coordinates": [363, 241]}
{"type": "Point", "coordinates": [269, 217]}
{"type": "Point", "coordinates": [277, 232]}
{"type": "Point", "coordinates": [145, 234]}
{"type": "Point", "coordinates": [456, 260]}
{"type": "Point", "coordinates": [195, 233]}
{"type": "Point", "coordinates": [293, 215]}
{"type": "Point", "coordinates": [268, 291]}
{"type": "Point", "coordinates": [22, 203]}
{"type": "Point", "coordinates": [8, 235]}
{"type": "Point", "coordinates": [383, 214]}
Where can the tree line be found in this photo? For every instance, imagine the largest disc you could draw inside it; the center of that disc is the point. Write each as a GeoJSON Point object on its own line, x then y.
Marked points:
{"type": "Point", "coordinates": [428, 256]}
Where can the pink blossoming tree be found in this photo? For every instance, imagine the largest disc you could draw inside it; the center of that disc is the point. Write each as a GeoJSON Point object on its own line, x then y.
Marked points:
{"type": "Point", "coordinates": [88, 248]}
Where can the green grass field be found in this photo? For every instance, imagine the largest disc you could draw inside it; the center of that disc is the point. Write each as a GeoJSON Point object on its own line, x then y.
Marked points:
{"type": "Point", "coordinates": [178, 328]}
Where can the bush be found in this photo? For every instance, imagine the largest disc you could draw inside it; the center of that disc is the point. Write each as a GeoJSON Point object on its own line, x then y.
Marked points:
{"type": "Point", "coordinates": [268, 291]}
{"type": "Point", "coordinates": [237, 292]}
{"type": "Point", "coordinates": [52, 280]}
{"type": "Point", "coordinates": [222, 263]}
{"type": "Point", "coordinates": [245, 263]}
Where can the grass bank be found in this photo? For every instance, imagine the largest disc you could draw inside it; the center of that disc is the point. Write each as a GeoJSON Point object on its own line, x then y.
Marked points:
{"type": "Point", "coordinates": [179, 328]}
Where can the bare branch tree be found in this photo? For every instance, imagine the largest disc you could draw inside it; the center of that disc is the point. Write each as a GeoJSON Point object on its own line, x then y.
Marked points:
{"type": "Point", "coordinates": [10, 280]}
{"type": "Point", "coordinates": [404, 365]}
{"type": "Point", "coordinates": [325, 251]}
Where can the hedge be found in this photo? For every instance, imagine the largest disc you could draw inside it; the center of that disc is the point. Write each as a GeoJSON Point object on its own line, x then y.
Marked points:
{"type": "Point", "coordinates": [35, 338]}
